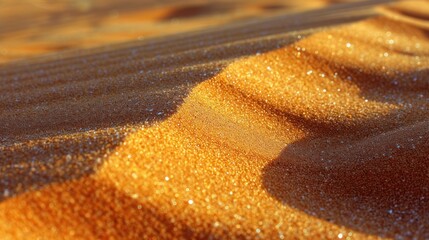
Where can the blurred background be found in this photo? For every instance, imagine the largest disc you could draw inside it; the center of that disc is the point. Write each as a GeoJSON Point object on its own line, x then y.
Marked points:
{"type": "Point", "coordinates": [30, 28]}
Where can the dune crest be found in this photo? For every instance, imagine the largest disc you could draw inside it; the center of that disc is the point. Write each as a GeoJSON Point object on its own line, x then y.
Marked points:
{"type": "Point", "coordinates": [320, 136]}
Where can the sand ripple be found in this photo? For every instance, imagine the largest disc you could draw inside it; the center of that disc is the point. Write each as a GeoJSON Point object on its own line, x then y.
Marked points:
{"type": "Point", "coordinates": [321, 133]}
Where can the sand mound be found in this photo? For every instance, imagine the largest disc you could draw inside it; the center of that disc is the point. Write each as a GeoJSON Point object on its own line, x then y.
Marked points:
{"type": "Point", "coordinates": [239, 131]}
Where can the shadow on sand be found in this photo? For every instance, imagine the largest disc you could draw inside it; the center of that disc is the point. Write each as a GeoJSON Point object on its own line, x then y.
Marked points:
{"type": "Point", "coordinates": [371, 175]}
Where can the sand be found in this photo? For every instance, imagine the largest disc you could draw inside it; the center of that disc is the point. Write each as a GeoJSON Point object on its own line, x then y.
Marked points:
{"type": "Point", "coordinates": [258, 128]}
{"type": "Point", "coordinates": [30, 28]}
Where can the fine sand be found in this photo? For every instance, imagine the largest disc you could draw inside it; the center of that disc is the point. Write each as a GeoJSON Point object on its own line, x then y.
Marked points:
{"type": "Point", "coordinates": [311, 124]}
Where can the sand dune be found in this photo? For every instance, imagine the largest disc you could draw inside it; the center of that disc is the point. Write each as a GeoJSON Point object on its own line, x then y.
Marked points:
{"type": "Point", "coordinates": [261, 128]}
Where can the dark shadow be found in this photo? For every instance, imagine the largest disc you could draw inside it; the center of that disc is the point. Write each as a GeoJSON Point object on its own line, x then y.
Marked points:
{"type": "Point", "coordinates": [29, 160]}
{"type": "Point", "coordinates": [273, 6]}
{"type": "Point", "coordinates": [341, 183]}
{"type": "Point", "coordinates": [188, 11]}
{"type": "Point", "coordinates": [79, 108]}
{"type": "Point", "coordinates": [45, 102]}
{"type": "Point", "coordinates": [369, 175]}
{"type": "Point", "coordinates": [93, 103]}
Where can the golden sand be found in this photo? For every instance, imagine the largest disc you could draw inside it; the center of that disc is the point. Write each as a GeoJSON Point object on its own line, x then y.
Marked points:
{"type": "Point", "coordinates": [229, 133]}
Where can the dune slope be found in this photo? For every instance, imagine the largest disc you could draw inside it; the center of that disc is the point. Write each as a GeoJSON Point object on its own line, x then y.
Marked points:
{"type": "Point", "coordinates": [307, 134]}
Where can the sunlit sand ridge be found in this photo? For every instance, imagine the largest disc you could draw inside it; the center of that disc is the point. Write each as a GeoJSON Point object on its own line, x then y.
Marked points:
{"type": "Point", "coordinates": [322, 134]}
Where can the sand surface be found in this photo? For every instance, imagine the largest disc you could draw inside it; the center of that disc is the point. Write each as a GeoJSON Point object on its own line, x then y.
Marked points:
{"type": "Point", "coordinates": [303, 122]}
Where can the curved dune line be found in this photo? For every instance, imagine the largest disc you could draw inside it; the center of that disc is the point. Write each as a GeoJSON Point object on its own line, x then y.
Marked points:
{"type": "Point", "coordinates": [323, 137]}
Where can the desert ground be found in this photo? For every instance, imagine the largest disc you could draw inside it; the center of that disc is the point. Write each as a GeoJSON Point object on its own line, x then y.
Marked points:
{"type": "Point", "coordinates": [214, 119]}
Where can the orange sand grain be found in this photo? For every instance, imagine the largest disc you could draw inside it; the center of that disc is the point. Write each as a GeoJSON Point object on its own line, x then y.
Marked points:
{"type": "Point", "coordinates": [323, 137]}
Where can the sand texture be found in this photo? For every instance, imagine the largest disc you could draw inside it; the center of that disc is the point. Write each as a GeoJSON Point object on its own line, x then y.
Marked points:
{"type": "Point", "coordinates": [300, 123]}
